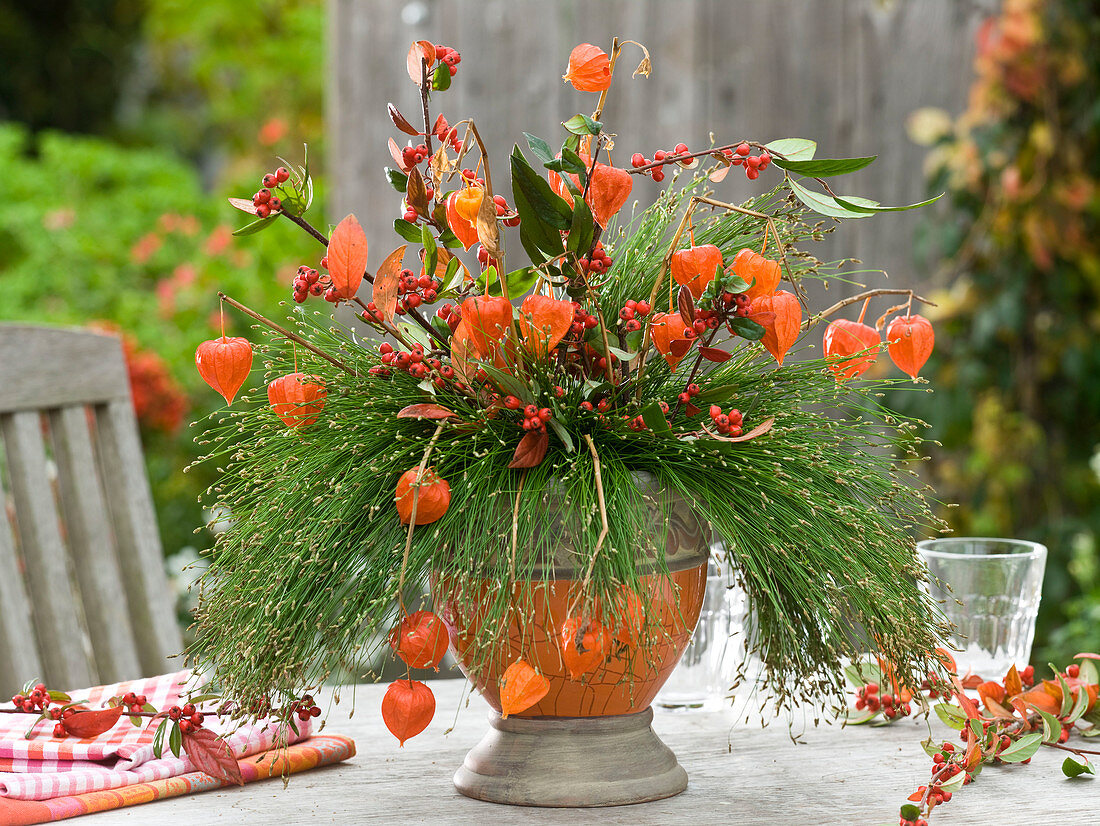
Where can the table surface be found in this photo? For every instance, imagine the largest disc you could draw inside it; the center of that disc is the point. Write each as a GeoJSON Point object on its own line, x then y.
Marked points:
{"type": "Point", "coordinates": [739, 774]}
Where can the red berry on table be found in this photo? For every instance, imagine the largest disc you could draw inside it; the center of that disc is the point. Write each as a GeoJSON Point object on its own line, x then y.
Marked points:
{"type": "Point", "coordinates": [58, 730]}
{"type": "Point", "coordinates": [743, 149]}
{"type": "Point", "coordinates": [282, 174]}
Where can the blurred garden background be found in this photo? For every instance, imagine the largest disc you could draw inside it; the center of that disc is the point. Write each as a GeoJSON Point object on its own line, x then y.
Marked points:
{"type": "Point", "coordinates": [124, 124]}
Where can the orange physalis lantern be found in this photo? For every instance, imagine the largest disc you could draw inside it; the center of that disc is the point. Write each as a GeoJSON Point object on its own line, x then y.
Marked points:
{"type": "Point", "coordinates": [696, 267]}
{"type": "Point", "coordinates": [420, 639]}
{"type": "Point", "coordinates": [297, 399]}
{"type": "Point", "coordinates": [544, 321]}
{"type": "Point", "coordinates": [465, 229]}
{"type": "Point", "coordinates": [633, 617]}
{"type": "Point", "coordinates": [431, 504]}
{"type": "Point", "coordinates": [608, 189]}
{"type": "Point", "coordinates": [843, 339]}
{"type": "Point", "coordinates": [488, 320]}
{"type": "Point", "coordinates": [347, 257]}
{"type": "Point", "coordinates": [589, 68]}
{"type": "Point", "coordinates": [911, 340]}
{"type": "Point", "coordinates": [781, 331]}
{"type": "Point", "coordinates": [224, 364]}
{"type": "Point", "coordinates": [407, 708]}
{"type": "Point", "coordinates": [468, 202]}
{"type": "Point", "coordinates": [762, 274]}
{"type": "Point", "coordinates": [585, 643]}
{"type": "Point", "coordinates": [670, 337]}
{"type": "Point", "coordinates": [520, 688]}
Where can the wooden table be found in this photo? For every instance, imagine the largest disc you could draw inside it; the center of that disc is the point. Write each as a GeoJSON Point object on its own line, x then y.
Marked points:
{"type": "Point", "coordinates": [739, 774]}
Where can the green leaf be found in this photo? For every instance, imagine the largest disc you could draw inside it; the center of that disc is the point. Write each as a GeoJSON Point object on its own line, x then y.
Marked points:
{"type": "Point", "coordinates": [823, 167]}
{"type": "Point", "coordinates": [451, 278]}
{"type": "Point", "coordinates": [724, 392]}
{"type": "Point", "coordinates": [507, 382]}
{"type": "Point", "coordinates": [448, 239]}
{"type": "Point", "coordinates": [540, 147]}
{"type": "Point", "coordinates": [1022, 749]}
{"type": "Point", "coordinates": [255, 226]}
{"type": "Point", "coordinates": [417, 334]}
{"type": "Point", "coordinates": [733, 283]}
{"type": "Point", "coordinates": [158, 739]}
{"type": "Point", "coordinates": [441, 78]}
{"type": "Point", "coordinates": [1074, 766]}
{"type": "Point", "coordinates": [908, 810]}
{"type": "Point", "coordinates": [548, 207]}
{"type": "Point", "coordinates": [951, 716]}
{"type": "Point", "coordinates": [822, 204]}
{"type": "Point", "coordinates": [583, 125]}
{"type": "Point", "coordinates": [431, 251]}
{"type": "Point", "coordinates": [931, 748]}
{"type": "Point", "coordinates": [1052, 726]}
{"type": "Point", "coordinates": [410, 232]}
{"type": "Point", "coordinates": [1067, 697]}
{"type": "Point", "coordinates": [795, 149]}
{"type": "Point", "coordinates": [1090, 673]}
{"type": "Point", "coordinates": [1080, 705]}
{"type": "Point", "coordinates": [976, 727]}
{"type": "Point", "coordinates": [955, 782]}
{"type": "Point", "coordinates": [572, 162]}
{"type": "Point", "coordinates": [581, 228]}
{"type": "Point", "coordinates": [856, 204]}
{"type": "Point", "coordinates": [398, 179]}
{"type": "Point", "coordinates": [563, 434]}
{"type": "Point", "coordinates": [747, 328]}
{"type": "Point", "coordinates": [519, 281]}
{"type": "Point", "coordinates": [60, 697]}
{"type": "Point", "coordinates": [440, 326]}
{"type": "Point", "coordinates": [654, 418]}
{"type": "Point", "coordinates": [175, 740]}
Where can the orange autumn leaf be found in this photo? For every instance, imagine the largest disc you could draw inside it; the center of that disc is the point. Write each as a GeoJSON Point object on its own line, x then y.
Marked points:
{"type": "Point", "coordinates": [589, 69]}
{"type": "Point", "coordinates": [347, 257]}
{"type": "Point", "coordinates": [419, 52]}
{"type": "Point", "coordinates": [843, 340]}
{"type": "Point", "coordinates": [407, 708]}
{"type": "Point", "coordinates": [387, 283]}
{"type": "Point", "coordinates": [1013, 684]}
{"type": "Point", "coordinates": [520, 688]}
{"type": "Point", "coordinates": [762, 274]}
{"type": "Point", "coordinates": [1043, 700]}
{"type": "Point", "coordinates": [543, 322]}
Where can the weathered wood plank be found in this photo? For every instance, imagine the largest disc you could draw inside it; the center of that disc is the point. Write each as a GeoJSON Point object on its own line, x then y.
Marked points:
{"type": "Point", "coordinates": [91, 547]}
{"type": "Point", "coordinates": [46, 367]}
{"type": "Point", "coordinates": [56, 621]}
{"type": "Point", "coordinates": [152, 606]}
{"type": "Point", "coordinates": [18, 654]}
{"type": "Point", "coordinates": [739, 775]}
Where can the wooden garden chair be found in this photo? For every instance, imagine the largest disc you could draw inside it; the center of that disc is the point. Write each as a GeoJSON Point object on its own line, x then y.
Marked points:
{"type": "Point", "coordinates": [84, 599]}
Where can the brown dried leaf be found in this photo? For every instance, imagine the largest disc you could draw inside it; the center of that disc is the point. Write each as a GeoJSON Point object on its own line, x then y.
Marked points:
{"type": "Point", "coordinates": [386, 283]}
{"type": "Point", "coordinates": [211, 754]}
{"type": "Point", "coordinates": [461, 349]}
{"type": "Point", "coordinates": [425, 411]}
{"type": "Point", "coordinates": [1013, 684]}
{"type": "Point", "coordinates": [679, 346]}
{"type": "Point", "coordinates": [399, 120]}
{"type": "Point", "coordinates": [646, 66]}
{"type": "Point", "coordinates": [531, 449]}
{"type": "Point", "coordinates": [882, 318]}
{"type": "Point", "coordinates": [685, 303]}
{"type": "Point", "coordinates": [488, 230]}
{"type": "Point", "coordinates": [91, 723]}
{"type": "Point", "coordinates": [759, 430]}
{"type": "Point", "coordinates": [416, 193]}
{"type": "Point", "coordinates": [719, 175]}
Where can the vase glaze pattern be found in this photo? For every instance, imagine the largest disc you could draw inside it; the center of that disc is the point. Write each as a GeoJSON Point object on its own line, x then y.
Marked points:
{"type": "Point", "coordinates": [631, 675]}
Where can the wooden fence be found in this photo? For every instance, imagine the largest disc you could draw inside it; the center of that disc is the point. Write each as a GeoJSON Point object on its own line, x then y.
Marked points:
{"type": "Point", "coordinates": [846, 73]}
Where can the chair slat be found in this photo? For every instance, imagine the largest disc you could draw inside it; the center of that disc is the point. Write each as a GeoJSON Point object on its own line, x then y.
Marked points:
{"type": "Point", "coordinates": [139, 550]}
{"type": "Point", "coordinates": [56, 622]}
{"type": "Point", "coordinates": [91, 547]}
{"type": "Point", "coordinates": [18, 654]}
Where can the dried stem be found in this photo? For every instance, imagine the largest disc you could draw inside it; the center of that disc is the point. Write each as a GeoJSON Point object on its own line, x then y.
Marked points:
{"type": "Point", "coordinates": [489, 194]}
{"type": "Point", "coordinates": [515, 529]}
{"type": "Point", "coordinates": [840, 305]}
{"type": "Point", "coordinates": [287, 333]}
{"type": "Point", "coordinates": [412, 515]}
{"type": "Point", "coordinates": [603, 519]}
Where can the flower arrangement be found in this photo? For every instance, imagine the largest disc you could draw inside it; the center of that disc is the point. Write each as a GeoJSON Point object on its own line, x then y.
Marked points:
{"type": "Point", "coordinates": [504, 409]}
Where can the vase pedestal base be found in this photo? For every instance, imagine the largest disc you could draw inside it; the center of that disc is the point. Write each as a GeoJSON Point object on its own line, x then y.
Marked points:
{"type": "Point", "coordinates": [571, 761]}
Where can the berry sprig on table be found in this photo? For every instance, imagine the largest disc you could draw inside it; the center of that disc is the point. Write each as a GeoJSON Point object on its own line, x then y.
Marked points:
{"type": "Point", "coordinates": [1008, 723]}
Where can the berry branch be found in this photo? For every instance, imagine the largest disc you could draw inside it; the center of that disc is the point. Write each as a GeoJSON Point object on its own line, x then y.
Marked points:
{"type": "Point", "coordinates": [855, 299]}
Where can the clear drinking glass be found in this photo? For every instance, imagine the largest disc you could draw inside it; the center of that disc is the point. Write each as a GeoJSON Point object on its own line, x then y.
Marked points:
{"type": "Point", "coordinates": [990, 590]}
{"type": "Point", "coordinates": [701, 681]}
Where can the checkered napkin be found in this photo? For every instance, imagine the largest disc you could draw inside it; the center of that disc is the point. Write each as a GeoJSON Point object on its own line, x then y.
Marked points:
{"type": "Point", "coordinates": [45, 766]}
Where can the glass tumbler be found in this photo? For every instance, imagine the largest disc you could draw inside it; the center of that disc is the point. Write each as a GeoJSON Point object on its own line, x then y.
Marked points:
{"type": "Point", "coordinates": [990, 590]}
{"type": "Point", "coordinates": [701, 681]}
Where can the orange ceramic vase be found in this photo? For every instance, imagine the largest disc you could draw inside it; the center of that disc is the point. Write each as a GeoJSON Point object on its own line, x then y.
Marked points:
{"type": "Point", "coordinates": [603, 711]}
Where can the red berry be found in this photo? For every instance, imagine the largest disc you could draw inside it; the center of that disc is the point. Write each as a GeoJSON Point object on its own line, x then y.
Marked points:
{"type": "Point", "coordinates": [637, 159]}
{"type": "Point", "coordinates": [658, 174]}
{"type": "Point", "coordinates": [642, 308]}
{"type": "Point", "coordinates": [261, 197]}
{"type": "Point", "coordinates": [262, 211]}
{"type": "Point", "coordinates": [545, 414]}
{"type": "Point", "coordinates": [752, 174]}
{"type": "Point", "coordinates": [1073, 671]}
{"type": "Point", "coordinates": [59, 730]}
{"type": "Point", "coordinates": [681, 149]}
{"type": "Point", "coordinates": [659, 155]}
{"type": "Point", "coordinates": [282, 174]}
{"type": "Point", "coordinates": [743, 149]}
{"type": "Point", "coordinates": [270, 181]}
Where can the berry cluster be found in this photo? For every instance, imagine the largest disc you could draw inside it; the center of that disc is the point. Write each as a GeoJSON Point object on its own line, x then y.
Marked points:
{"type": "Point", "coordinates": [661, 156]}
{"type": "Point", "coordinates": [188, 716]}
{"type": "Point", "coordinates": [690, 392]}
{"type": "Point", "coordinates": [305, 708]}
{"type": "Point", "coordinates": [451, 314]}
{"type": "Point", "coordinates": [868, 696]}
{"type": "Point", "coordinates": [598, 261]}
{"type": "Point", "coordinates": [413, 362]}
{"type": "Point", "coordinates": [449, 57]}
{"type": "Point", "coordinates": [414, 291]}
{"type": "Point", "coordinates": [728, 424]}
{"type": "Point", "coordinates": [264, 200]}
{"type": "Point", "coordinates": [632, 312]}
{"type": "Point", "coordinates": [411, 214]}
{"type": "Point", "coordinates": [582, 320]}
{"type": "Point", "coordinates": [37, 700]}
{"type": "Point", "coordinates": [134, 703]}
{"type": "Point", "coordinates": [307, 282]}
{"type": "Point", "coordinates": [512, 219]}
{"type": "Point", "coordinates": [534, 418]}
{"type": "Point", "coordinates": [738, 304]}
{"type": "Point", "coordinates": [59, 715]}
{"type": "Point", "coordinates": [754, 164]}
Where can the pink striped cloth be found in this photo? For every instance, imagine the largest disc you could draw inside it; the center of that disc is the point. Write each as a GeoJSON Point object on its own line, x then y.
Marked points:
{"type": "Point", "coordinates": [44, 766]}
